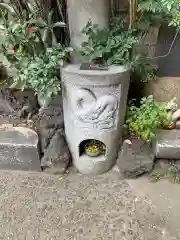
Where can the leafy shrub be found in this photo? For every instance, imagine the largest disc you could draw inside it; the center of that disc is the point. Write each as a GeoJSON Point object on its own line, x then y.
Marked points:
{"type": "Point", "coordinates": [161, 11]}
{"type": "Point", "coordinates": [145, 119]}
{"type": "Point", "coordinates": [106, 46]}
{"type": "Point", "coordinates": [115, 46]}
{"type": "Point", "coordinates": [42, 72]}
{"type": "Point", "coordinates": [30, 46]}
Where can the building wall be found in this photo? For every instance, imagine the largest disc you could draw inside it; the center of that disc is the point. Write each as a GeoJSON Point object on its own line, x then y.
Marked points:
{"type": "Point", "coordinates": [118, 5]}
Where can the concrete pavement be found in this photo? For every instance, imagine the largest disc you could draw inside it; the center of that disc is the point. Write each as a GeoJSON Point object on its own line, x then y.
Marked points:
{"type": "Point", "coordinates": [74, 207]}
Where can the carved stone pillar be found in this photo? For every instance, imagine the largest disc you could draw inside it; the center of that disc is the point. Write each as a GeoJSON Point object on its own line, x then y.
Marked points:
{"type": "Point", "coordinates": [94, 105]}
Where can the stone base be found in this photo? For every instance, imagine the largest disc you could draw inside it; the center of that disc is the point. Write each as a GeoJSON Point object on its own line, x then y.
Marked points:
{"type": "Point", "coordinates": [166, 144]}
{"type": "Point", "coordinates": [93, 165]}
{"type": "Point", "coordinates": [19, 149]}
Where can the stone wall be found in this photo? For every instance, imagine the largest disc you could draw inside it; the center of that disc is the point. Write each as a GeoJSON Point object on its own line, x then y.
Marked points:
{"type": "Point", "coordinates": [55, 153]}
{"type": "Point", "coordinates": [18, 103]}
{"type": "Point", "coordinates": [48, 122]}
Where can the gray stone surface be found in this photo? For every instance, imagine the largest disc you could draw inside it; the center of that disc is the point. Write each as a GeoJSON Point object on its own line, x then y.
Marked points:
{"type": "Point", "coordinates": [94, 107]}
{"type": "Point", "coordinates": [163, 198]}
{"type": "Point", "coordinates": [135, 158]}
{"type": "Point", "coordinates": [166, 144]}
{"type": "Point", "coordinates": [55, 153]}
{"type": "Point", "coordinates": [46, 135]}
{"type": "Point", "coordinates": [17, 102]}
{"type": "Point", "coordinates": [80, 12]}
{"type": "Point", "coordinates": [51, 116]}
{"type": "Point", "coordinates": [56, 157]}
{"type": "Point", "coordinates": [19, 149]}
{"type": "Point", "coordinates": [176, 164]}
{"type": "Point", "coordinates": [75, 207]}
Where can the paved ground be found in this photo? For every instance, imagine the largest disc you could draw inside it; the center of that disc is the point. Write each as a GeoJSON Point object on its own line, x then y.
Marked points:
{"type": "Point", "coordinates": [75, 207]}
{"type": "Point", "coordinates": [164, 198]}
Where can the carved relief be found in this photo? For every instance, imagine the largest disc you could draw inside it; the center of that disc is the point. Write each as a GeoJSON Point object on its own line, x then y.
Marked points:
{"type": "Point", "coordinates": [95, 112]}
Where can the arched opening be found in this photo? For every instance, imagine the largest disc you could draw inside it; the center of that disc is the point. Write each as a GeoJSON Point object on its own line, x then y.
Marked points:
{"type": "Point", "coordinates": [92, 148]}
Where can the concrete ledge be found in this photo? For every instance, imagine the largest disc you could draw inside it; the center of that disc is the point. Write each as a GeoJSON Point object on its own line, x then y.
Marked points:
{"type": "Point", "coordinates": [166, 144]}
{"type": "Point", "coordinates": [19, 149]}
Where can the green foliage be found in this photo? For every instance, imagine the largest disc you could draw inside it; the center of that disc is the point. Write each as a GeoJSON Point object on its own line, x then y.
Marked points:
{"type": "Point", "coordinates": [20, 37]}
{"type": "Point", "coordinates": [143, 69]}
{"type": "Point", "coordinates": [30, 46]}
{"type": "Point", "coordinates": [163, 10]}
{"type": "Point", "coordinates": [44, 27]}
{"type": "Point", "coordinates": [115, 46]}
{"type": "Point", "coordinates": [156, 176]}
{"type": "Point", "coordinates": [47, 28]}
{"type": "Point", "coordinates": [145, 119]}
{"type": "Point", "coordinates": [42, 72]}
{"type": "Point", "coordinates": [172, 174]}
{"type": "Point", "coordinates": [106, 45]}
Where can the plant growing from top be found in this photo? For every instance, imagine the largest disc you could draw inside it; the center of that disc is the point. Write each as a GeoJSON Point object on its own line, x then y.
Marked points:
{"type": "Point", "coordinates": [143, 121]}
{"type": "Point", "coordinates": [115, 45]}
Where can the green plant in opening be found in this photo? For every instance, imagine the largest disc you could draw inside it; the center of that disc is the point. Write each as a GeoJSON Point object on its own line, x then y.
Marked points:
{"type": "Point", "coordinates": [145, 119]}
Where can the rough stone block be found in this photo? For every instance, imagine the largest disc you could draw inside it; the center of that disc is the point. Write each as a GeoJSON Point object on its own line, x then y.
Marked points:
{"type": "Point", "coordinates": [135, 158]}
{"type": "Point", "coordinates": [19, 149]}
{"type": "Point", "coordinates": [51, 116]}
{"type": "Point", "coordinates": [166, 144]}
{"type": "Point", "coordinates": [56, 157]}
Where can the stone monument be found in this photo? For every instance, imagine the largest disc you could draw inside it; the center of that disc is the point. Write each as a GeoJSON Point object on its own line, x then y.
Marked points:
{"type": "Point", "coordinates": [94, 103]}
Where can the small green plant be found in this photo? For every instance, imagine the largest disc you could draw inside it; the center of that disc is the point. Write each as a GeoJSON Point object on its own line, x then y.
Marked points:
{"type": "Point", "coordinates": [174, 174]}
{"type": "Point", "coordinates": [156, 176]}
{"type": "Point", "coordinates": [145, 119]}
